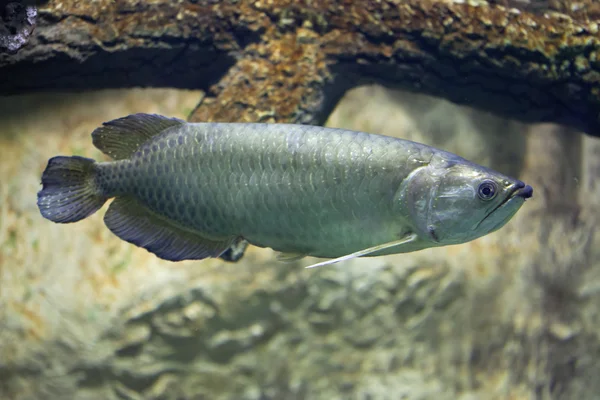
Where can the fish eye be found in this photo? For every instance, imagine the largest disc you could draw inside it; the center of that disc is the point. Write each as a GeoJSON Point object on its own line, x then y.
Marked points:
{"type": "Point", "coordinates": [487, 190]}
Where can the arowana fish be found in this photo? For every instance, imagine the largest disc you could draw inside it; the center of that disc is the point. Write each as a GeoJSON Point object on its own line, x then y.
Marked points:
{"type": "Point", "coordinates": [192, 190]}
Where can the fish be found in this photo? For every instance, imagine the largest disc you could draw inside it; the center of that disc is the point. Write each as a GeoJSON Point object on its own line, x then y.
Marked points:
{"type": "Point", "coordinates": [192, 191]}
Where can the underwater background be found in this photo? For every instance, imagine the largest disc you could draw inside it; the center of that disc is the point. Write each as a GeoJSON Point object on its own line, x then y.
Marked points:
{"type": "Point", "coordinates": [512, 315]}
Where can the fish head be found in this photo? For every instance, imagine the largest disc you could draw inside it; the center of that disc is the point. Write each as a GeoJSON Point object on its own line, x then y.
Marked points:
{"type": "Point", "coordinates": [452, 200]}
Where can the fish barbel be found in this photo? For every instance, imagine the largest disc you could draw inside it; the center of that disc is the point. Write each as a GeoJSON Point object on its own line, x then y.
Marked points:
{"type": "Point", "coordinates": [192, 190]}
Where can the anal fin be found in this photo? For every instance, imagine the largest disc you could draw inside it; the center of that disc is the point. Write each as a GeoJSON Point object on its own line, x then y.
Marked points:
{"type": "Point", "coordinates": [131, 221]}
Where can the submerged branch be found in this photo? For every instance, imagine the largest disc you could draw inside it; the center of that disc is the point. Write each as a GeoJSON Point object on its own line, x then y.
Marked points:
{"type": "Point", "coordinates": [291, 60]}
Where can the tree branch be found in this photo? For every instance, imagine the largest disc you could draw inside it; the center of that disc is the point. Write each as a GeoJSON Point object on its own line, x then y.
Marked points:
{"type": "Point", "coordinates": [291, 60]}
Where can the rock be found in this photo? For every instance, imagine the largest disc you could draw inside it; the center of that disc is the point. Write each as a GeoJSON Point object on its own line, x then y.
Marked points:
{"type": "Point", "coordinates": [293, 61]}
{"type": "Point", "coordinates": [17, 22]}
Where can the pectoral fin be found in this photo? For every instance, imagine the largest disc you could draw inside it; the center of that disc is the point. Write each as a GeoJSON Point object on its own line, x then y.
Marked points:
{"type": "Point", "coordinates": [404, 240]}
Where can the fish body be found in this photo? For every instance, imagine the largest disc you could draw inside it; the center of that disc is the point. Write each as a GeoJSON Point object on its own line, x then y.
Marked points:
{"type": "Point", "coordinates": [192, 190]}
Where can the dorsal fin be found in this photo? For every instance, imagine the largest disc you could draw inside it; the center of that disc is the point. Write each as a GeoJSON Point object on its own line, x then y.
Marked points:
{"type": "Point", "coordinates": [121, 137]}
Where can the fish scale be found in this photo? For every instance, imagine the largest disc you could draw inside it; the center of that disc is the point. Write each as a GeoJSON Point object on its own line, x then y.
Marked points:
{"type": "Point", "coordinates": [192, 190]}
{"type": "Point", "coordinates": [238, 198]}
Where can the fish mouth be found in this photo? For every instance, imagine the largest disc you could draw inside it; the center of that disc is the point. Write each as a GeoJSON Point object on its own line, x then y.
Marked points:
{"type": "Point", "coordinates": [522, 190]}
{"type": "Point", "coordinates": [519, 189]}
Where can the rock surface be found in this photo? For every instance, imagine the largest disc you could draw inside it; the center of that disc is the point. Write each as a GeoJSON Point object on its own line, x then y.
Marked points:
{"type": "Point", "coordinates": [17, 22]}
{"type": "Point", "coordinates": [511, 315]}
{"type": "Point", "coordinates": [293, 60]}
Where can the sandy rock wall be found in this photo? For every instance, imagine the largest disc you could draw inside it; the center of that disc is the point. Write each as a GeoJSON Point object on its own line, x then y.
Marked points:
{"type": "Point", "coordinates": [511, 315]}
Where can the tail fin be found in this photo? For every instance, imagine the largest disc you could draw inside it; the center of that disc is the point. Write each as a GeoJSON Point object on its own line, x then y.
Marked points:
{"type": "Point", "coordinates": [69, 193]}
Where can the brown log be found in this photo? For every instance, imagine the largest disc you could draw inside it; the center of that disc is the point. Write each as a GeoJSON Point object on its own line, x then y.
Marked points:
{"type": "Point", "coordinates": [291, 60]}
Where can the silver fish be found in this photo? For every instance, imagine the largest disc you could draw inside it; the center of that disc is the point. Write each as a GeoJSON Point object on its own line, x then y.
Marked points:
{"type": "Point", "coordinates": [192, 190]}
